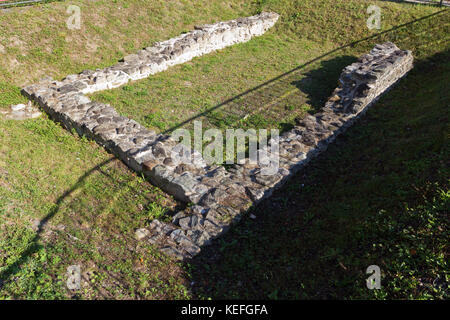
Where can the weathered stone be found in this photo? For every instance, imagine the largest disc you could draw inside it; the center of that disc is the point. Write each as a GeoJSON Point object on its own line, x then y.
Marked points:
{"type": "Point", "coordinates": [220, 196]}
{"type": "Point", "coordinates": [177, 217]}
{"type": "Point", "coordinates": [18, 107]}
{"type": "Point", "coordinates": [142, 233]}
{"type": "Point", "coordinates": [158, 227]}
{"type": "Point", "coordinates": [21, 112]}
{"type": "Point", "coordinates": [185, 185]}
{"type": "Point", "coordinates": [199, 237]}
{"type": "Point", "coordinates": [177, 254]}
{"type": "Point", "coordinates": [159, 150]}
{"type": "Point", "coordinates": [183, 167]}
{"type": "Point", "coordinates": [168, 161]}
{"type": "Point", "coordinates": [149, 165]}
{"type": "Point", "coordinates": [212, 229]}
{"type": "Point", "coordinates": [190, 247]}
{"type": "Point", "coordinates": [188, 222]}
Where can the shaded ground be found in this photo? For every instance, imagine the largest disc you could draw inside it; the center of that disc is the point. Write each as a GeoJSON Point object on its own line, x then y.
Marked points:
{"type": "Point", "coordinates": [271, 80]}
{"type": "Point", "coordinates": [63, 201]}
{"type": "Point", "coordinates": [379, 195]}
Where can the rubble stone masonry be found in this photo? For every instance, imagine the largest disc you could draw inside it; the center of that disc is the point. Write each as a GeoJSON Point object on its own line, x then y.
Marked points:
{"type": "Point", "coordinates": [219, 196]}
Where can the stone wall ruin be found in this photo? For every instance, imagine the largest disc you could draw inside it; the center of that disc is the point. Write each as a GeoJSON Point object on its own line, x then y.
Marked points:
{"type": "Point", "coordinates": [219, 196]}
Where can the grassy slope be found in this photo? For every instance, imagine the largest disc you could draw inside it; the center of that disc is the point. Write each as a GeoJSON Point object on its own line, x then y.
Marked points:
{"type": "Point", "coordinates": [306, 30]}
{"type": "Point", "coordinates": [91, 204]}
{"type": "Point", "coordinates": [48, 174]}
{"type": "Point", "coordinates": [380, 195]}
{"type": "Point", "coordinates": [100, 202]}
{"type": "Point", "coordinates": [36, 41]}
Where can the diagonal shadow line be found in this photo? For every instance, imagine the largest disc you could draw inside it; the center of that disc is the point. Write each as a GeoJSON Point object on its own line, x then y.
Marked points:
{"type": "Point", "coordinates": [24, 3]}
{"type": "Point", "coordinates": [351, 44]}
{"type": "Point", "coordinates": [32, 248]}
{"type": "Point", "coordinates": [422, 2]}
{"type": "Point", "coordinates": [33, 245]}
{"type": "Point", "coordinates": [178, 207]}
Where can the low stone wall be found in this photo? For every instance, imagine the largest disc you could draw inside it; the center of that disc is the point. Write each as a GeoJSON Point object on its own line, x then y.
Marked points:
{"type": "Point", "coordinates": [140, 148]}
{"type": "Point", "coordinates": [361, 84]}
{"type": "Point", "coordinates": [219, 196]}
{"type": "Point", "coordinates": [162, 55]}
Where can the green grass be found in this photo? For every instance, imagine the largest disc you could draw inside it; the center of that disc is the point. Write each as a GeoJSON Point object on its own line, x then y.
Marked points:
{"type": "Point", "coordinates": [90, 205]}
{"type": "Point", "coordinates": [358, 204]}
{"type": "Point", "coordinates": [17, 3]}
{"type": "Point", "coordinates": [306, 30]}
{"type": "Point", "coordinates": [378, 196]}
{"type": "Point", "coordinates": [35, 41]}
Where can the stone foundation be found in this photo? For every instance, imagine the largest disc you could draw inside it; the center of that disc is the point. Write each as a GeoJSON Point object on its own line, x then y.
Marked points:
{"type": "Point", "coordinates": [361, 84]}
{"type": "Point", "coordinates": [219, 196]}
{"type": "Point", "coordinates": [141, 149]}
{"type": "Point", "coordinates": [21, 112]}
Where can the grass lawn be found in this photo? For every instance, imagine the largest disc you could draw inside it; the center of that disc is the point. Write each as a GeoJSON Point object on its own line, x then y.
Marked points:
{"type": "Point", "coordinates": [377, 197]}
{"type": "Point", "coordinates": [273, 79]}
{"type": "Point", "coordinates": [89, 204]}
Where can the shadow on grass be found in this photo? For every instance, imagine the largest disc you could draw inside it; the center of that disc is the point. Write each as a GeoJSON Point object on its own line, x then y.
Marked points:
{"type": "Point", "coordinates": [34, 246]}
{"type": "Point", "coordinates": [440, 3]}
{"type": "Point", "coordinates": [293, 253]}
{"type": "Point", "coordinates": [316, 236]}
{"type": "Point", "coordinates": [27, 256]}
{"type": "Point", "coordinates": [279, 102]}
{"type": "Point", "coordinates": [319, 83]}
{"type": "Point", "coordinates": [265, 92]}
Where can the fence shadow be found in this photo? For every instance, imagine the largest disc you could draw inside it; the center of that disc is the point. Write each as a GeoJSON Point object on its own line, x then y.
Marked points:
{"type": "Point", "coordinates": [310, 239]}
{"type": "Point", "coordinates": [33, 247]}
{"type": "Point", "coordinates": [221, 273]}
{"type": "Point", "coordinates": [319, 83]}
{"type": "Point", "coordinates": [285, 97]}
{"type": "Point", "coordinates": [263, 92]}
{"type": "Point", "coordinates": [34, 244]}
{"type": "Point", "coordinates": [440, 3]}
